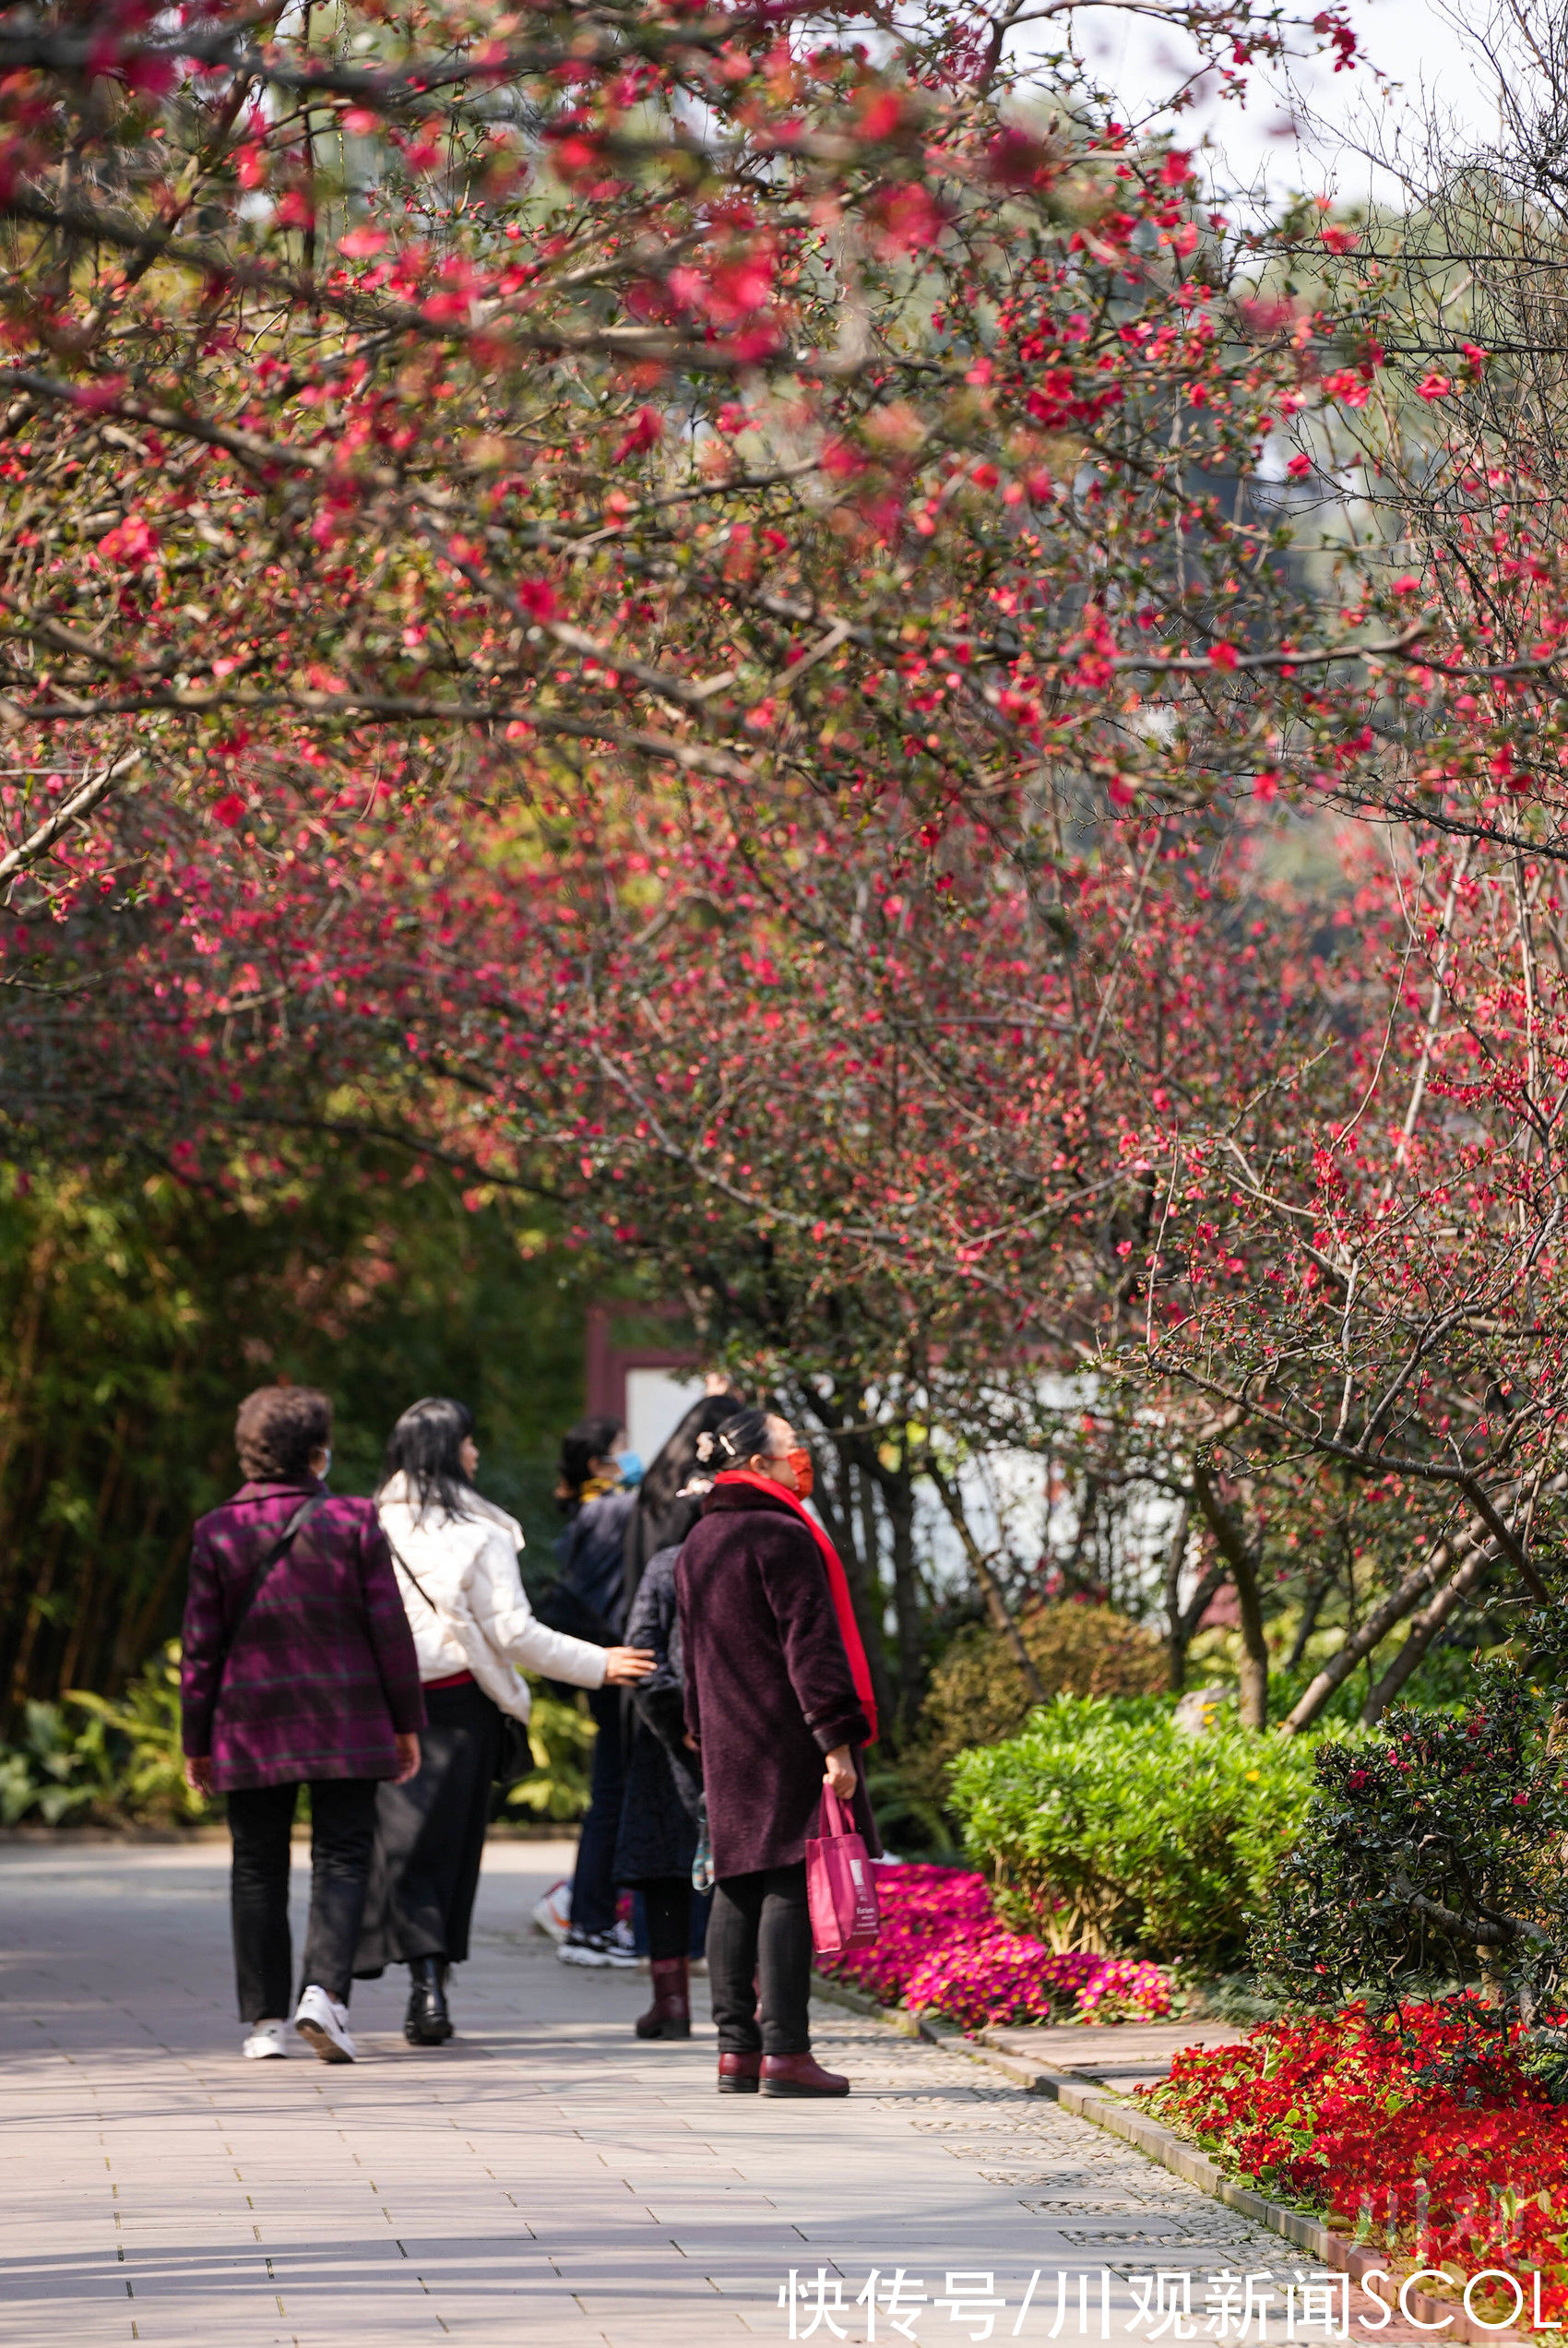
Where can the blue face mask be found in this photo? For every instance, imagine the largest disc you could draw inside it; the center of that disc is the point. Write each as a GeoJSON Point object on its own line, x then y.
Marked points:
{"type": "Point", "coordinates": [631, 1467]}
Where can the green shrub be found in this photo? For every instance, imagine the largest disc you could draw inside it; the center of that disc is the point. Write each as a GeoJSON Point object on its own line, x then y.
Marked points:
{"type": "Point", "coordinates": [142, 1731]}
{"type": "Point", "coordinates": [120, 1765]}
{"type": "Point", "coordinates": [60, 1770]}
{"type": "Point", "coordinates": [977, 1694]}
{"type": "Point", "coordinates": [1433, 1856]}
{"type": "Point", "coordinates": [155, 1304]}
{"type": "Point", "coordinates": [1105, 1825]}
{"type": "Point", "coordinates": [561, 1735]}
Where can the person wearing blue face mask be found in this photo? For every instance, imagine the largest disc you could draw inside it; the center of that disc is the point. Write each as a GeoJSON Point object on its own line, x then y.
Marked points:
{"type": "Point", "coordinates": [598, 1499]}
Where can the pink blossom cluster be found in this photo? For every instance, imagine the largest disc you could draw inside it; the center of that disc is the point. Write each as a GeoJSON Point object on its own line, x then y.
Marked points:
{"type": "Point", "coordinates": [942, 1946]}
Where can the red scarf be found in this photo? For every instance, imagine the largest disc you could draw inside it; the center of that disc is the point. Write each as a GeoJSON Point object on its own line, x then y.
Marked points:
{"type": "Point", "coordinates": [837, 1583]}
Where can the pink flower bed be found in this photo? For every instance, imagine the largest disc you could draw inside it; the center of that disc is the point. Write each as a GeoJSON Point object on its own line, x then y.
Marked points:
{"type": "Point", "coordinates": [943, 1945]}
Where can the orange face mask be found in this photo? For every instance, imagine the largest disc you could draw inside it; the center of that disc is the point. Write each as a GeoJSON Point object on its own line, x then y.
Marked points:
{"type": "Point", "coordinates": [805, 1477]}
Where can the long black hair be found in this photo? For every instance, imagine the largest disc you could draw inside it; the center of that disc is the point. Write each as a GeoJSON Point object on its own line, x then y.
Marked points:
{"type": "Point", "coordinates": [663, 1517]}
{"type": "Point", "coordinates": [423, 1447]}
{"type": "Point", "coordinates": [678, 1462]}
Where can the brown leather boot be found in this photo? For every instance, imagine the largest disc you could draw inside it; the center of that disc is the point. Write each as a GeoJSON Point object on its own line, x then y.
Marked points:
{"type": "Point", "coordinates": [669, 2016]}
{"type": "Point", "coordinates": [799, 2075]}
{"type": "Point", "coordinates": [738, 2074]}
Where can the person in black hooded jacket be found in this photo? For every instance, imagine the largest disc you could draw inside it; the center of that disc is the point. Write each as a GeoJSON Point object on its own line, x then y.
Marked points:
{"type": "Point", "coordinates": [590, 1601]}
{"type": "Point", "coordinates": [658, 1836]}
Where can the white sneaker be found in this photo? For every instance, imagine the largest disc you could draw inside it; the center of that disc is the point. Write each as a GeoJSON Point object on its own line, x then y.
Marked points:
{"type": "Point", "coordinates": [585, 1949]}
{"type": "Point", "coordinates": [267, 2043]}
{"type": "Point", "coordinates": [615, 1948]}
{"type": "Point", "coordinates": [552, 1915]}
{"type": "Point", "coordinates": [326, 2024]}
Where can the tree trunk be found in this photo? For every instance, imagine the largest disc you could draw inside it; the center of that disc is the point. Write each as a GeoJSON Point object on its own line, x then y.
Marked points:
{"type": "Point", "coordinates": [1317, 1591]}
{"type": "Point", "coordinates": [1177, 1635]}
{"type": "Point", "coordinates": [853, 1532]}
{"type": "Point", "coordinates": [1073, 1576]}
{"type": "Point", "coordinates": [81, 1607]}
{"type": "Point", "coordinates": [37, 1611]}
{"type": "Point", "coordinates": [897, 1497]}
{"type": "Point", "coordinates": [1252, 1707]}
{"type": "Point", "coordinates": [1190, 1620]}
{"type": "Point", "coordinates": [1240, 1556]}
{"type": "Point", "coordinates": [131, 1641]}
{"type": "Point", "coordinates": [864, 1571]}
{"type": "Point", "coordinates": [996, 1604]}
{"type": "Point", "coordinates": [1423, 1630]}
{"type": "Point", "coordinates": [1399, 1603]}
{"type": "Point", "coordinates": [13, 1396]}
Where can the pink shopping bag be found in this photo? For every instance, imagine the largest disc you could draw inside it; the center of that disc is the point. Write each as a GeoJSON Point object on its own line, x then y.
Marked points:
{"type": "Point", "coordinates": [840, 1887]}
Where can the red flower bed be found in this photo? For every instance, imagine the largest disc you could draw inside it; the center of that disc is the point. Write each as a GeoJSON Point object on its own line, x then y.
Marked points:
{"type": "Point", "coordinates": [1469, 2169]}
{"type": "Point", "coordinates": [944, 1946]}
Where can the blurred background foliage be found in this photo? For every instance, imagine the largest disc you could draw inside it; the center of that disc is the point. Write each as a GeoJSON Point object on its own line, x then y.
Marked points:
{"type": "Point", "coordinates": [90, 1760]}
{"type": "Point", "coordinates": [135, 1310]}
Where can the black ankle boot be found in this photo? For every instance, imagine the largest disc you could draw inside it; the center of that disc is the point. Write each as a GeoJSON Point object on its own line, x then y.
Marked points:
{"type": "Point", "coordinates": [427, 2021]}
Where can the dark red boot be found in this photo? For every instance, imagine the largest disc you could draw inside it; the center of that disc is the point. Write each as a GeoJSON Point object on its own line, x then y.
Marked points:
{"type": "Point", "coordinates": [669, 2016]}
{"type": "Point", "coordinates": [738, 2074]}
{"type": "Point", "coordinates": [799, 2075]}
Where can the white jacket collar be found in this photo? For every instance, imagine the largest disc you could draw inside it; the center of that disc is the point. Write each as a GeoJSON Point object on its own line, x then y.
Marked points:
{"type": "Point", "coordinates": [476, 1510]}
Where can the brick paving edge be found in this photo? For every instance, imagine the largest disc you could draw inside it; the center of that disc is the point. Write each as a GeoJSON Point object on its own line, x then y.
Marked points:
{"type": "Point", "coordinates": [1184, 2160]}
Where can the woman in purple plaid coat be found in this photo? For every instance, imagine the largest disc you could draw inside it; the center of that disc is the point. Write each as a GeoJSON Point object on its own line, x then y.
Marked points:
{"type": "Point", "coordinates": [299, 1669]}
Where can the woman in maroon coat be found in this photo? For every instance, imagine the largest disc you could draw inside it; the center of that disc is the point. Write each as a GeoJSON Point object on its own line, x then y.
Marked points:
{"type": "Point", "coordinates": [298, 1668]}
{"type": "Point", "coordinates": [774, 1709]}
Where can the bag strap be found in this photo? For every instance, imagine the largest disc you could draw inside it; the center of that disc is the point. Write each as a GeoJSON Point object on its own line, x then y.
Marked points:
{"type": "Point", "coordinates": [403, 1565]}
{"type": "Point", "coordinates": [296, 1523]}
{"type": "Point", "coordinates": [449, 1627]}
{"type": "Point", "coordinates": [836, 1818]}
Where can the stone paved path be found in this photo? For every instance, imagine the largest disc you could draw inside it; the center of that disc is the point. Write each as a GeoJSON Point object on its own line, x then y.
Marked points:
{"type": "Point", "coordinates": [1131, 2055]}
{"type": "Point", "coordinates": [544, 2179]}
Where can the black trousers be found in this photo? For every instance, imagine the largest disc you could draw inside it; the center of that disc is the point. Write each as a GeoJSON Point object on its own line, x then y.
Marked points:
{"type": "Point", "coordinates": [430, 1837]}
{"type": "Point", "coordinates": [759, 1938]}
{"type": "Point", "coordinates": [666, 1909]}
{"type": "Point", "coordinates": [594, 1900]}
{"type": "Point", "coordinates": [342, 1832]}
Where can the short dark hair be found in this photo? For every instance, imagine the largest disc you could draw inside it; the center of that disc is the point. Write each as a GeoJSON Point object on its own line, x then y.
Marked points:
{"type": "Point", "coordinates": [423, 1447]}
{"type": "Point", "coordinates": [277, 1429]}
{"type": "Point", "coordinates": [591, 1439]}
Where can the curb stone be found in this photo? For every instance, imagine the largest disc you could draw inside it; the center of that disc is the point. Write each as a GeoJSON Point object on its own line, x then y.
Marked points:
{"type": "Point", "coordinates": [1118, 2117]}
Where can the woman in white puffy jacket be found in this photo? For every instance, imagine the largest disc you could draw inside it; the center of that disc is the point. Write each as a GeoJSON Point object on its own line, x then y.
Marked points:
{"type": "Point", "coordinates": [455, 1557]}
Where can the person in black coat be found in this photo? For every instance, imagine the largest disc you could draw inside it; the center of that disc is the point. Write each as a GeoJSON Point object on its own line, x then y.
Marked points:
{"type": "Point", "coordinates": [658, 1814]}
{"type": "Point", "coordinates": [658, 1839]}
{"type": "Point", "coordinates": [588, 1602]}
{"type": "Point", "coordinates": [772, 1704]}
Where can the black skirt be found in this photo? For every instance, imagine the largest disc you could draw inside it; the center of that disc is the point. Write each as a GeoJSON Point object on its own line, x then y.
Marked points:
{"type": "Point", "coordinates": [430, 1837]}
